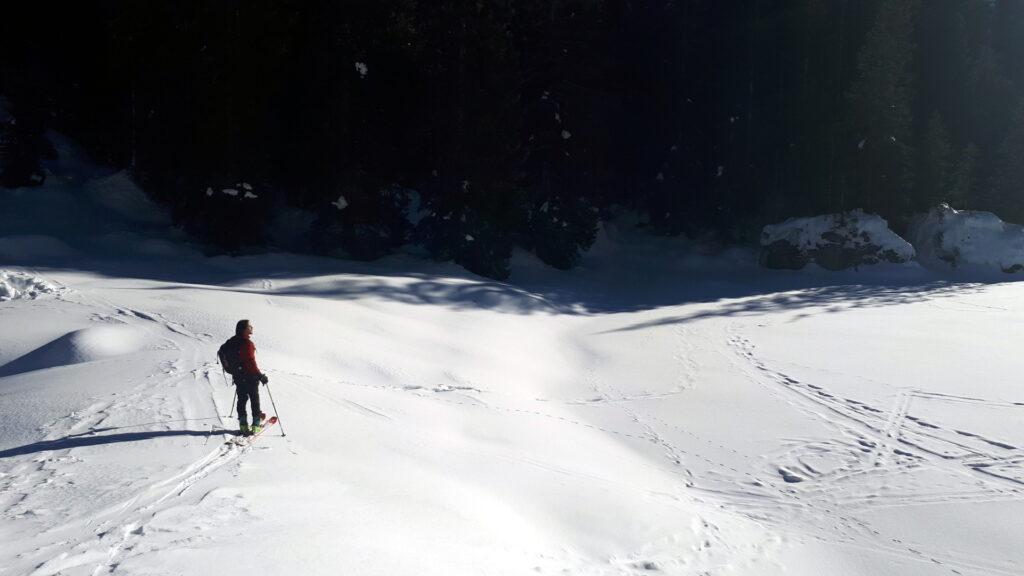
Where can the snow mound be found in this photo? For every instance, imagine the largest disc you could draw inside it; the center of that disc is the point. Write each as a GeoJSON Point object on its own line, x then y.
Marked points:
{"type": "Point", "coordinates": [33, 246]}
{"type": "Point", "coordinates": [121, 195]}
{"type": "Point", "coordinates": [625, 243]}
{"type": "Point", "coordinates": [946, 238]}
{"type": "Point", "coordinates": [72, 165]}
{"type": "Point", "coordinates": [80, 346]}
{"type": "Point", "coordinates": [18, 285]}
{"type": "Point", "coordinates": [130, 243]}
{"type": "Point", "coordinates": [833, 241]}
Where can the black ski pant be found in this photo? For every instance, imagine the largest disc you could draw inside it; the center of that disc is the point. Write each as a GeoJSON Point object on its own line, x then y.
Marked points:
{"type": "Point", "coordinates": [248, 390]}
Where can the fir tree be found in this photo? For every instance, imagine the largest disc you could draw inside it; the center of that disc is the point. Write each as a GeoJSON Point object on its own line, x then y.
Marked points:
{"type": "Point", "coordinates": [934, 177]}
{"type": "Point", "coordinates": [1008, 181]}
{"type": "Point", "coordinates": [565, 148]}
{"type": "Point", "coordinates": [963, 178]}
{"type": "Point", "coordinates": [1008, 39]}
{"type": "Point", "coordinates": [23, 145]}
{"type": "Point", "coordinates": [881, 122]}
{"type": "Point", "coordinates": [990, 106]}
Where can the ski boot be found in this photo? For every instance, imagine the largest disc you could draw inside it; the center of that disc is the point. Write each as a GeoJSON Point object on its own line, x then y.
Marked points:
{"type": "Point", "coordinates": [244, 429]}
{"type": "Point", "coordinates": [257, 425]}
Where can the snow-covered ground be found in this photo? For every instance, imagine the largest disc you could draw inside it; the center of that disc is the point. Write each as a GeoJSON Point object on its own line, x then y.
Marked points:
{"type": "Point", "coordinates": [441, 424]}
{"type": "Point", "coordinates": [660, 410]}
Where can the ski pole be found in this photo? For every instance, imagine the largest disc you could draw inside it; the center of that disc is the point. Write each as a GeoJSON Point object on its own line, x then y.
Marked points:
{"type": "Point", "coordinates": [225, 376]}
{"type": "Point", "coordinates": [275, 408]}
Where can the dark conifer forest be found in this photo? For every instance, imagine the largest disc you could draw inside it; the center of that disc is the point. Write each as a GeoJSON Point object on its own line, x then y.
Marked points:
{"type": "Point", "coordinates": [473, 127]}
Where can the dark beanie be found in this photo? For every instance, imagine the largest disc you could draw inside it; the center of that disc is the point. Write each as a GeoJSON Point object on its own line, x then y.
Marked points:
{"type": "Point", "coordinates": [241, 326]}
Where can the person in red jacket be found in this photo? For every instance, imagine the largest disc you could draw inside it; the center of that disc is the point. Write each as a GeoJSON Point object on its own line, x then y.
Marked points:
{"type": "Point", "coordinates": [248, 379]}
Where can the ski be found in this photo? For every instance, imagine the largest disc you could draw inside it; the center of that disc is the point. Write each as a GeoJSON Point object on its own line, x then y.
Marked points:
{"type": "Point", "coordinates": [248, 440]}
{"type": "Point", "coordinates": [266, 424]}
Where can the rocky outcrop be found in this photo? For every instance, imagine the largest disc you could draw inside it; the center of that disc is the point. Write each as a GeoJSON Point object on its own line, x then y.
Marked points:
{"type": "Point", "coordinates": [832, 241]}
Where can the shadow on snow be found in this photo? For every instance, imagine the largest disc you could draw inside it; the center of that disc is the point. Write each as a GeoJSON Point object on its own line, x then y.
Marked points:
{"type": "Point", "coordinates": [578, 292]}
{"type": "Point", "coordinates": [821, 299]}
{"type": "Point", "coordinates": [92, 439]}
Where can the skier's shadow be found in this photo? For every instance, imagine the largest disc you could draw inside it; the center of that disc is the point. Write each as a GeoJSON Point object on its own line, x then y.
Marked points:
{"type": "Point", "coordinates": [88, 439]}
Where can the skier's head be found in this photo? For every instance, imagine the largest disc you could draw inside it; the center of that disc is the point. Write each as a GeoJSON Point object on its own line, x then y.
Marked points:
{"type": "Point", "coordinates": [243, 328]}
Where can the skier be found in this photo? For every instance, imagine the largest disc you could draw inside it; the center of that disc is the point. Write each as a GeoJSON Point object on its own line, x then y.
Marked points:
{"type": "Point", "coordinates": [238, 356]}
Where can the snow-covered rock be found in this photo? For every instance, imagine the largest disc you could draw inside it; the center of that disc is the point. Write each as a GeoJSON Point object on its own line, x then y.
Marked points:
{"type": "Point", "coordinates": [833, 241]}
{"type": "Point", "coordinates": [946, 238]}
{"type": "Point", "coordinates": [17, 285]}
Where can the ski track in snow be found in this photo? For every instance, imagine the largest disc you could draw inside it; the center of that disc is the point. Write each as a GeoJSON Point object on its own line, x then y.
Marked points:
{"type": "Point", "coordinates": [117, 528]}
{"type": "Point", "coordinates": [882, 447]}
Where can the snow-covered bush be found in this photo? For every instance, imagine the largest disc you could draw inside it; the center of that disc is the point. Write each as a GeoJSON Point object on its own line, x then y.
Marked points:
{"type": "Point", "coordinates": [946, 238]}
{"type": "Point", "coordinates": [833, 241]}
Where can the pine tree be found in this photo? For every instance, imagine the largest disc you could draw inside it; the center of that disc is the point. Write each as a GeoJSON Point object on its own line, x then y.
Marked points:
{"type": "Point", "coordinates": [991, 105]}
{"type": "Point", "coordinates": [963, 178]}
{"type": "Point", "coordinates": [881, 116]}
{"type": "Point", "coordinates": [934, 177]}
{"type": "Point", "coordinates": [1008, 181]}
{"type": "Point", "coordinates": [23, 146]}
{"type": "Point", "coordinates": [1008, 39]}
{"type": "Point", "coordinates": [565, 147]}
{"type": "Point", "coordinates": [469, 130]}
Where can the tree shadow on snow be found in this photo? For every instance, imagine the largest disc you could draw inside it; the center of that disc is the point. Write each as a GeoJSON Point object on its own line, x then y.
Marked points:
{"type": "Point", "coordinates": [576, 292]}
{"type": "Point", "coordinates": [817, 300]}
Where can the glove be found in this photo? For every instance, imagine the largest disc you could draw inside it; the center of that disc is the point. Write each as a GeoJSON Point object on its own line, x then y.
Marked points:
{"type": "Point", "coordinates": [264, 379]}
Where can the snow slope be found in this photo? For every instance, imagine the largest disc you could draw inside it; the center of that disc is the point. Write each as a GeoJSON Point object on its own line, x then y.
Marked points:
{"type": "Point", "coordinates": [441, 424]}
{"type": "Point", "coordinates": [663, 409]}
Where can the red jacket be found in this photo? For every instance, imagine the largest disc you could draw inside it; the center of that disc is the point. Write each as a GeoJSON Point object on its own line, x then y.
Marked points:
{"type": "Point", "coordinates": [247, 350]}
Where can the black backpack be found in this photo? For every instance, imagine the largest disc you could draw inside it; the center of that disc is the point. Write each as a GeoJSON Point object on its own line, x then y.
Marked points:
{"type": "Point", "coordinates": [230, 357]}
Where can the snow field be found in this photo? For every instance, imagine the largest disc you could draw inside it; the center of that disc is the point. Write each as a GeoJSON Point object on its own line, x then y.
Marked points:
{"type": "Point", "coordinates": [440, 424]}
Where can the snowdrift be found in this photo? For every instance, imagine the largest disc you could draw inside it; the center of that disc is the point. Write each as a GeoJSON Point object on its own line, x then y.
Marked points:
{"type": "Point", "coordinates": [947, 239]}
{"type": "Point", "coordinates": [833, 241]}
{"type": "Point", "coordinates": [33, 247]}
{"type": "Point", "coordinates": [80, 346]}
